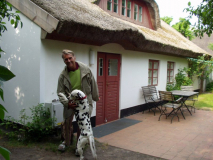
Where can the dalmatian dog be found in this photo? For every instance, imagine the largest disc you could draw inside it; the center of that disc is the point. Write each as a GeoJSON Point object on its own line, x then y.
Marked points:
{"type": "Point", "coordinates": [83, 119]}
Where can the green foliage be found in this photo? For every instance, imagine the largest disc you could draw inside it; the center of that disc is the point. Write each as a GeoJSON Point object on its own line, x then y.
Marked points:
{"type": "Point", "coordinates": [5, 153]}
{"type": "Point", "coordinates": [204, 101]}
{"type": "Point", "coordinates": [34, 128]}
{"type": "Point", "coordinates": [14, 18]}
{"type": "Point", "coordinates": [5, 74]}
{"type": "Point", "coordinates": [204, 13]}
{"type": "Point", "coordinates": [181, 79]}
{"type": "Point", "coordinates": [183, 26]}
{"type": "Point", "coordinates": [210, 46]}
{"type": "Point", "coordinates": [209, 87]}
{"type": "Point", "coordinates": [171, 87]}
{"type": "Point", "coordinates": [167, 19]}
{"type": "Point", "coordinates": [200, 67]}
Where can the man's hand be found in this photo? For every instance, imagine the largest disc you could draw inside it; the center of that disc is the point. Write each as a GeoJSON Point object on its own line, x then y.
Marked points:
{"type": "Point", "coordinates": [71, 105]}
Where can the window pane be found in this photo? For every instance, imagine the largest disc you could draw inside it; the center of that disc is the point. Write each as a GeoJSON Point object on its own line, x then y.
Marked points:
{"type": "Point", "coordinates": [124, 3]}
{"type": "Point", "coordinates": [155, 81]}
{"type": "Point", "coordinates": [128, 13]}
{"type": "Point", "coordinates": [150, 65]}
{"type": "Point", "coordinates": [129, 5]}
{"type": "Point", "coordinates": [155, 73]}
{"type": "Point", "coordinates": [167, 79]}
{"type": "Point", "coordinates": [140, 14]}
{"type": "Point", "coordinates": [123, 11]}
{"type": "Point", "coordinates": [115, 1]}
{"type": "Point", "coordinates": [136, 12]}
{"type": "Point", "coordinates": [150, 82]}
{"type": "Point", "coordinates": [109, 5]}
{"type": "Point", "coordinates": [171, 73]}
{"type": "Point", "coordinates": [171, 79]}
{"type": "Point", "coordinates": [116, 8]}
{"type": "Point", "coordinates": [113, 67]}
{"type": "Point", "coordinates": [128, 9]}
{"type": "Point", "coordinates": [155, 65]}
{"type": "Point", "coordinates": [100, 67]}
{"type": "Point", "coordinates": [150, 73]}
{"type": "Point", "coordinates": [172, 65]}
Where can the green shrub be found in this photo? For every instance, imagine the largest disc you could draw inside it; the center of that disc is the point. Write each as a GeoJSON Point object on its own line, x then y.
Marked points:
{"type": "Point", "coordinates": [34, 128]}
{"type": "Point", "coordinates": [171, 87]}
{"type": "Point", "coordinates": [209, 87]}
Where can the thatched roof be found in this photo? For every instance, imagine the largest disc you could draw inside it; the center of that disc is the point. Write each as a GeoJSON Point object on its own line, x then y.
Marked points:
{"type": "Point", "coordinates": [83, 21]}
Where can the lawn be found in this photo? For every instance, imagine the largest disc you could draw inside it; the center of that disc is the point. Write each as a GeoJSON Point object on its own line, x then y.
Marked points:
{"type": "Point", "coordinates": [205, 101]}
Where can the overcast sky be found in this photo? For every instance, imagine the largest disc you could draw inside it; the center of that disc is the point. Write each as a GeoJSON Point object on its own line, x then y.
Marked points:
{"type": "Point", "coordinates": [174, 8]}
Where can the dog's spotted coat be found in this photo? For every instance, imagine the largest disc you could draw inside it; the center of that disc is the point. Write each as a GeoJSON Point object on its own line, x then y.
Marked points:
{"type": "Point", "coordinates": [83, 119]}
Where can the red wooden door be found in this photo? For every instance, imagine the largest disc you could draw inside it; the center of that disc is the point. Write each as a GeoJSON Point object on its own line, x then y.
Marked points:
{"type": "Point", "coordinates": [108, 79]}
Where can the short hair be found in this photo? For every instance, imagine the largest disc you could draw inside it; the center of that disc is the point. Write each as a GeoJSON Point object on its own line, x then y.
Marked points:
{"type": "Point", "coordinates": [66, 51]}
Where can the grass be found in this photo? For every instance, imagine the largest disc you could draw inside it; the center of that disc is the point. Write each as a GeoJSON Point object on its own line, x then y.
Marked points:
{"type": "Point", "coordinates": [205, 102]}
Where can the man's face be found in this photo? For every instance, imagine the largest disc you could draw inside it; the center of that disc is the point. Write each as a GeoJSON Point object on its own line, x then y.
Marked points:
{"type": "Point", "coordinates": [69, 60]}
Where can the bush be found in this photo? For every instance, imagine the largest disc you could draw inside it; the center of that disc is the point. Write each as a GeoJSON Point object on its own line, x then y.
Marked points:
{"type": "Point", "coordinates": [209, 87]}
{"type": "Point", "coordinates": [34, 128]}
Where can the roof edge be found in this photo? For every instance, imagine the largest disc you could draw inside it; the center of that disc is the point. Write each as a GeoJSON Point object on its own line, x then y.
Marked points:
{"type": "Point", "coordinates": [36, 14]}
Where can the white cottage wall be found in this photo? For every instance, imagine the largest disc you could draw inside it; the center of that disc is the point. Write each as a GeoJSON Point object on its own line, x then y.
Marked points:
{"type": "Point", "coordinates": [22, 57]}
{"type": "Point", "coordinates": [37, 64]}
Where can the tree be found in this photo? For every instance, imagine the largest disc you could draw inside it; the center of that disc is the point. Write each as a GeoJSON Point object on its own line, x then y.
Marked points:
{"type": "Point", "coordinates": [167, 19]}
{"type": "Point", "coordinates": [183, 26]}
{"type": "Point", "coordinates": [204, 13]}
{"type": "Point", "coordinates": [5, 74]}
{"type": "Point", "coordinates": [201, 68]}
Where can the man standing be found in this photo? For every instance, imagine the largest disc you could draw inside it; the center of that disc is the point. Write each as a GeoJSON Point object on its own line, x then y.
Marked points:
{"type": "Point", "coordinates": [75, 75]}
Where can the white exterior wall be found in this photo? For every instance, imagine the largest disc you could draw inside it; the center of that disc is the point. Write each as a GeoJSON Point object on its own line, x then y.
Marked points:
{"type": "Point", "coordinates": [22, 57]}
{"type": "Point", "coordinates": [37, 64]}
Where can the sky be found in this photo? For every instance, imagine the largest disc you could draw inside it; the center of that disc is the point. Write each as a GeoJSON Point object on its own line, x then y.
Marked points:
{"type": "Point", "coordinates": [174, 9]}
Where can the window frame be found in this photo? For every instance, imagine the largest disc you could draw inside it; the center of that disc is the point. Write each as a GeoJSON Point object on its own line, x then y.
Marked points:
{"type": "Point", "coordinates": [168, 72]}
{"type": "Point", "coordinates": [113, 4]}
{"type": "Point", "coordinates": [152, 69]}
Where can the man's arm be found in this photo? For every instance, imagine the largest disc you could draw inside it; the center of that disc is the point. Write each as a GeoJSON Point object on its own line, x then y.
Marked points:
{"type": "Point", "coordinates": [94, 88]}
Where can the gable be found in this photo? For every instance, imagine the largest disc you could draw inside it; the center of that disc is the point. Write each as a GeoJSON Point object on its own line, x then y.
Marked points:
{"type": "Point", "coordinates": [141, 12]}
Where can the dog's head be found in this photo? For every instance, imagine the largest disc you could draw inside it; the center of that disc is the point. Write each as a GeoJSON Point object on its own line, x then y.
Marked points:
{"type": "Point", "coordinates": [77, 95]}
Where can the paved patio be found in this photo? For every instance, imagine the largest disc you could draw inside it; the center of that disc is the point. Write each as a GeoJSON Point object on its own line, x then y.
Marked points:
{"type": "Point", "coordinates": [188, 139]}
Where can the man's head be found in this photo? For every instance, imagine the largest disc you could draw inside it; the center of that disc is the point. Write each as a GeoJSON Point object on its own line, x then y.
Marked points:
{"type": "Point", "coordinates": [69, 59]}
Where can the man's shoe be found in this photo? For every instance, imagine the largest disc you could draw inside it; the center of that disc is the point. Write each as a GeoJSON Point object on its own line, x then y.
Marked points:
{"type": "Point", "coordinates": [62, 147]}
{"type": "Point", "coordinates": [76, 153]}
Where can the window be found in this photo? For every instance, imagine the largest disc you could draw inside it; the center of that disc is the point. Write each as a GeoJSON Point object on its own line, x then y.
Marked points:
{"type": "Point", "coordinates": [140, 13]}
{"type": "Point", "coordinates": [153, 72]}
{"type": "Point", "coordinates": [109, 5]}
{"type": "Point", "coordinates": [128, 9]}
{"type": "Point", "coordinates": [135, 12]}
{"type": "Point", "coordinates": [170, 72]}
{"type": "Point", "coordinates": [116, 6]}
{"type": "Point", "coordinates": [123, 7]}
{"type": "Point", "coordinates": [113, 3]}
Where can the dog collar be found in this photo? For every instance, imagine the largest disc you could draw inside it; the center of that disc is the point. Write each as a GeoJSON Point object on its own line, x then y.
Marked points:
{"type": "Point", "coordinates": [82, 98]}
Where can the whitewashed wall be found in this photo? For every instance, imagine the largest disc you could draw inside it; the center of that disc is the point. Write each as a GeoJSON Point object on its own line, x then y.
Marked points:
{"type": "Point", "coordinates": [22, 57]}
{"type": "Point", "coordinates": [37, 64]}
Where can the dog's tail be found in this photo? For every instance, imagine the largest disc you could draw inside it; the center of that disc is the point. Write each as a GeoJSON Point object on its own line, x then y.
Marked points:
{"type": "Point", "coordinates": [92, 146]}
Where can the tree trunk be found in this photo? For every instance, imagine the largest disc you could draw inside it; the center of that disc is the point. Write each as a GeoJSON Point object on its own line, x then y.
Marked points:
{"type": "Point", "coordinates": [201, 85]}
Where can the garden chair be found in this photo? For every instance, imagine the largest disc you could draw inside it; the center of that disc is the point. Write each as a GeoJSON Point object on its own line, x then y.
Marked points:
{"type": "Point", "coordinates": [151, 98]}
{"type": "Point", "coordinates": [170, 102]}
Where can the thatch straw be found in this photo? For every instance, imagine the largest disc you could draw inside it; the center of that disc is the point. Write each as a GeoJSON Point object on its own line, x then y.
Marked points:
{"type": "Point", "coordinates": [83, 21]}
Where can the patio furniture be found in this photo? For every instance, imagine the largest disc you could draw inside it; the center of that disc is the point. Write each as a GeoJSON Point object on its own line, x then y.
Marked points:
{"type": "Point", "coordinates": [186, 95]}
{"type": "Point", "coordinates": [193, 98]}
{"type": "Point", "coordinates": [151, 98]}
{"type": "Point", "coordinates": [170, 102]}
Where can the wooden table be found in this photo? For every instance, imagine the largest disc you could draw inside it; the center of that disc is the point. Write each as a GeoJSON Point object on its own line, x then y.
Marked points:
{"type": "Point", "coordinates": [185, 95]}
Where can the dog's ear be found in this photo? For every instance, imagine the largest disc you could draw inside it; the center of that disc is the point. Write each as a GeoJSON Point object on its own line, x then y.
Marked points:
{"type": "Point", "coordinates": [79, 95]}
